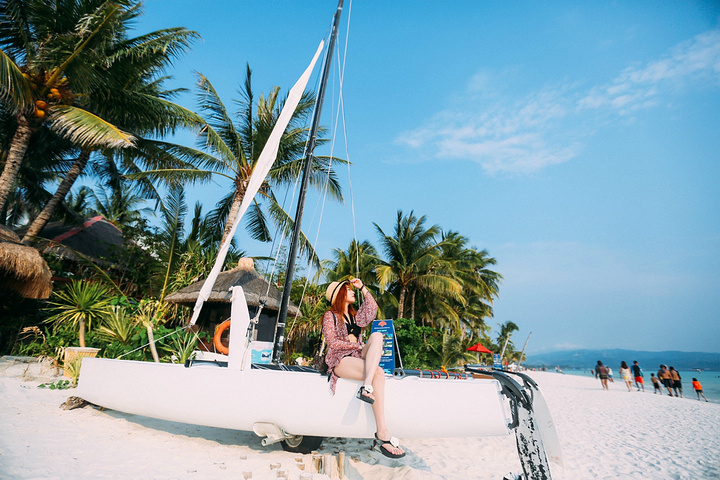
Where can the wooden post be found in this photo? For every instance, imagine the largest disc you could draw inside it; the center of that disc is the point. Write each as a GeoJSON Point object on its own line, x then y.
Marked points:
{"type": "Point", "coordinates": [341, 464]}
{"type": "Point", "coordinates": [330, 466]}
{"type": "Point", "coordinates": [318, 463]}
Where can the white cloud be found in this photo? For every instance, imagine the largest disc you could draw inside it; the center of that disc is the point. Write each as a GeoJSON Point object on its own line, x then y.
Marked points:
{"type": "Point", "coordinates": [634, 87]}
{"type": "Point", "coordinates": [546, 127]}
{"type": "Point", "coordinates": [502, 138]}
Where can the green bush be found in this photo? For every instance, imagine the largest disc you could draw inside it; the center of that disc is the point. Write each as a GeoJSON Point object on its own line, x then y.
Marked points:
{"type": "Point", "coordinates": [418, 344]}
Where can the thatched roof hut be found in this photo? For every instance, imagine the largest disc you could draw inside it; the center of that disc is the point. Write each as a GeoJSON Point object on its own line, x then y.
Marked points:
{"type": "Point", "coordinates": [95, 238]}
{"type": "Point", "coordinates": [22, 268]}
{"type": "Point", "coordinates": [257, 289]}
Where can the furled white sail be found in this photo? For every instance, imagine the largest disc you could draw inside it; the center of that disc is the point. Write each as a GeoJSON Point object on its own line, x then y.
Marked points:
{"type": "Point", "coordinates": [265, 161]}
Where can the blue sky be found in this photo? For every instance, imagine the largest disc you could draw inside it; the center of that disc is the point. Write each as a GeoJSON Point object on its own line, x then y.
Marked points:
{"type": "Point", "coordinates": [578, 142]}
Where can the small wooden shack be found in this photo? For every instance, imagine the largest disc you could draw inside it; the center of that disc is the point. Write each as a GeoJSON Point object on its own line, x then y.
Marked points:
{"type": "Point", "coordinates": [258, 291]}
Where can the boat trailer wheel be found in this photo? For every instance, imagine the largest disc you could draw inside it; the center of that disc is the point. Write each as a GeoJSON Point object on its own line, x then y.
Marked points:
{"type": "Point", "coordinates": [301, 443]}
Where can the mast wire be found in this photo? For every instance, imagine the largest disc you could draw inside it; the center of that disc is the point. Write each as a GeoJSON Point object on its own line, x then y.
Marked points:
{"type": "Point", "coordinates": [340, 114]}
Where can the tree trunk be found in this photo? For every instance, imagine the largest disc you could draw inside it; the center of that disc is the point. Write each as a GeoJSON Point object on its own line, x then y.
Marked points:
{"type": "Point", "coordinates": [18, 147]}
{"type": "Point", "coordinates": [401, 302]}
{"type": "Point", "coordinates": [81, 335]}
{"type": "Point", "coordinates": [412, 305]}
{"type": "Point", "coordinates": [151, 341]}
{"type": "Point", "coordinates": [240, 189]}
{"type": "Point", "coordinates": [44, 217]}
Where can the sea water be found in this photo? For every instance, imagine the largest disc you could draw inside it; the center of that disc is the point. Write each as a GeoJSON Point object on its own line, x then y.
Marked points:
{"type": "Point", "coordinates": [710, 382]}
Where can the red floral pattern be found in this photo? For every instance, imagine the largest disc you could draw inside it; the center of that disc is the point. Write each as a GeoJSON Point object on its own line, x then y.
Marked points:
{"type": "Point", "coordinates": [336, 336]}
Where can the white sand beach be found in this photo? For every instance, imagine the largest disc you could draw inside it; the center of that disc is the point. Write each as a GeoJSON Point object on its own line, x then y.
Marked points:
{"type": "Point", "coordinates": [608, 435]}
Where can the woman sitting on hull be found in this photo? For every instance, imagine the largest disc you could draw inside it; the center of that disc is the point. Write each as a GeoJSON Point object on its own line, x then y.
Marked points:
{"type": "Point", "coordinates": [348, 357]}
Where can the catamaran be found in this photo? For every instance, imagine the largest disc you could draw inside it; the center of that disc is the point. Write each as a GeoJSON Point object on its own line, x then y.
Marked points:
{"type": "Point", "coordinates": [294, 405]}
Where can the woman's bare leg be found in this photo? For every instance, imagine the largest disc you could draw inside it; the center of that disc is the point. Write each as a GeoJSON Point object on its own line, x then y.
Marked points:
{"type": "Point", "coordinates": [354, 369]}
{"type": "Point", "coordinates": [372, 352]}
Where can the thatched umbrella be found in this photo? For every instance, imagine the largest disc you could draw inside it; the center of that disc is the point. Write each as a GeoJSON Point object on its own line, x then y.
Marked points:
{"type": "Point", "coordinates": [257, 289]}
{"type": "Point", "coordinates": [22, 268]}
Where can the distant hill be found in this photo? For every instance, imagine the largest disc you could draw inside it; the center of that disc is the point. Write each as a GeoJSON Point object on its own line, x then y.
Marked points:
{"type": "Point", "coordinates": [586, 359]}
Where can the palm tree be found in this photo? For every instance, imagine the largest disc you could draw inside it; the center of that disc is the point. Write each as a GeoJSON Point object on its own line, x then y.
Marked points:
{"type": "Point", "coordinates": [506, 330]}
{"type": "Point", "coordinates": [234, 151]}
{"type": "Point", "coordinates": [49, 57]}
{"type": "Point", "coordinates": [479, 286]}
{"type": "Point", "coordinates": [359, 260]}
{"type": "Point", "coordinates": [411, 261]}
{"type": "Point", "coordinates": [130, 95]}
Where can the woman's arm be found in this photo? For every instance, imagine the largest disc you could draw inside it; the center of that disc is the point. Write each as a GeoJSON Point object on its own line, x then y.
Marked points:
{"type": "Point", "coordinates": [333, 339]}
{"type": "Point", "coordinates": [368, 310]}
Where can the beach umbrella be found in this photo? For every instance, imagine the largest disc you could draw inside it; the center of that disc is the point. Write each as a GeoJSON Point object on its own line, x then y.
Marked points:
{"type": "Point", "coordinates": [22, 268]}
{"type": "Point", "coordinates": [478, 348]}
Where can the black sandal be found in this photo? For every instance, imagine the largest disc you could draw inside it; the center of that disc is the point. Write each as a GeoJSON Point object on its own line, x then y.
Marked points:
{"type": "Point", "coordinates": [362, 394]}
{"type": "Point", "coordinates": [380, 444]}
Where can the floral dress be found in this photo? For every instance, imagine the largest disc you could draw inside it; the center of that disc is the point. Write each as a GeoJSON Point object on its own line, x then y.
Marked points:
{"type": "Point", "coordinates": [336, 336]}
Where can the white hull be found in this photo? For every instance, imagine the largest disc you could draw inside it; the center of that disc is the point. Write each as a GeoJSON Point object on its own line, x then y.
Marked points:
{"type": "Point", "coordinates": [299, 403]}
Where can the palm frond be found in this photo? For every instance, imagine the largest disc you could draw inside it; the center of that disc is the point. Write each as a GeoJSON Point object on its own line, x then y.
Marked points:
{"type": "Point", "coordinates": [285, 222]}
{"type": "Point", "coordinates": [173, 215]}
{"type": "Point", "coordinates": [160, 45]}
{"type": "Point", "coordinates": [15, 31]}
{"type": "Point", "coordinates": [86, 129]}
{"type": "Point", "coordinates": [257, 223]}
{"type": "Point", "coordinates": [14, 88]}
{"type": "Point", "coordinates": [219, 122]}
{"type": "Point", "coordinates": [157, 154]}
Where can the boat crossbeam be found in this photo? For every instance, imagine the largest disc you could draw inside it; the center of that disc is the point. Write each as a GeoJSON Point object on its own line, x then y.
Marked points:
{"type": "Point", "coordinates": [272, 433]}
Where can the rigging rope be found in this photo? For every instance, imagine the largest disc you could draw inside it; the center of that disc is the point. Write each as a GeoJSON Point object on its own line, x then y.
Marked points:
{"type": "Point", "coordinates": [340, 114]}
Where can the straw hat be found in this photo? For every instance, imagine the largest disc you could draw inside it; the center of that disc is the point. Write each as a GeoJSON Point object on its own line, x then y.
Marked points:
{"type": "Point", "coordinates": [333, 289]}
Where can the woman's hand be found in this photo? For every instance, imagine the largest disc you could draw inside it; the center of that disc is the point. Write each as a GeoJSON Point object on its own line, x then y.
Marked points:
{"type": "Point", "coordinates": [357, 283]}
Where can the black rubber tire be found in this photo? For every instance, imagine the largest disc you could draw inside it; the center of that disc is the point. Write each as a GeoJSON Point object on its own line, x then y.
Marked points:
{"type": "Point", "coordinates": [306, 444]}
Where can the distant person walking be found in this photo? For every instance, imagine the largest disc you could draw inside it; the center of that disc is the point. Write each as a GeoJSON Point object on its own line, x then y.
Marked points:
{"type": "Point", "coordinates": [625, 374]}
{"type": "Point", "coordinates": [638, 374]}
{"type": "Point", "coordinates": [610, 374]}
{"type": "Point", "coordinates": [664, 376]}
{"type": "Point", "coordinates": [656, 383]}
{"type": "Point", "coordinates": [676, 381]}
{"type": "Point", "coordinates": [698, 389]}
{"type": "Point", "coordinates": [602, 372]}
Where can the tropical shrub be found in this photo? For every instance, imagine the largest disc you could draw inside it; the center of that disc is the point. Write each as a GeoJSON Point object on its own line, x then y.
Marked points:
{"type": "Point", "coordinates": [119, 326]}
{"type": "Point", "coordinates": [79, 306]}
{"type": "Point", "coordinates": [181, 346]}
{"type": "Point", "coordinates": [418, 344]}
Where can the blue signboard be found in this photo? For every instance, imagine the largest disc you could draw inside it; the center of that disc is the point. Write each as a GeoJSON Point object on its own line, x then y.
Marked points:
{"type": "Point", "coordinates": [387, 361]}
{"type": "Point", "coordinates": [497, 361]}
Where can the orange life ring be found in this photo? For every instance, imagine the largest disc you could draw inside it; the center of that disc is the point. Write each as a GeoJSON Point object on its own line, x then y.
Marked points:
{"type": "Point", "coordinates": [218, 334]}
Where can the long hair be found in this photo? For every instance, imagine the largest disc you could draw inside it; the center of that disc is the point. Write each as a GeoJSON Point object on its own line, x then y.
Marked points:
{"type": "Point", "coordinates": [340, 299]}
{"type": "Point", "coordinates": [623, 364]}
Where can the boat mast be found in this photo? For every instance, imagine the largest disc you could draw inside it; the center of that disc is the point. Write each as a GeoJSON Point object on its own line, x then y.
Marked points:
{"type": "Point", "coordinates": [282, 316]}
